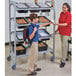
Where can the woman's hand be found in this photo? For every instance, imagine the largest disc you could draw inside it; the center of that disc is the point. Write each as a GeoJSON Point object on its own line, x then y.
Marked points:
{"type": "Point", "coordinates": [56, 24]}
{"type": "Point", "coordinates": [35, 29]}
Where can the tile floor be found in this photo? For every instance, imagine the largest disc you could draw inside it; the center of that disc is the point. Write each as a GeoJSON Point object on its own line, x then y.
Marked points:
{"type": "Point", "coordinates": [48, 68]}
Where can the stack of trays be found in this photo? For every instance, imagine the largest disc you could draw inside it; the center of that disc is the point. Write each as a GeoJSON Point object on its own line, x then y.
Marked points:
{"type": "Point", "coordinates": [32, 5]}
{"type": "Point", "coordinates": [20, 6]}
{"type": "Point", "coordinates": [20, 49]}
{"type": "Point", "coordinates": [42, 5]}
{"type": "Point", "coordinates": [42, 46]}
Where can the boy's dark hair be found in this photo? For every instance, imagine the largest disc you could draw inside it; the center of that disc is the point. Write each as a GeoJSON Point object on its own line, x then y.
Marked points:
{"type": "Point", "coordinates": [33, 16]}
{"type": "Point", "coordinates": [68, 6]}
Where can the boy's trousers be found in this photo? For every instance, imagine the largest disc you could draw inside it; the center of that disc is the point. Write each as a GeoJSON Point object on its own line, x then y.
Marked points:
{"type": "Point", "coordinates": [64, 46]}
{"type": "Point", "coordinates": [33, 57]}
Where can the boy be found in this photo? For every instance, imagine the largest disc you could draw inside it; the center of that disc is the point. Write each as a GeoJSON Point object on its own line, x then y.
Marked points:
{"type": "Point", "coordinates": [33, 35]}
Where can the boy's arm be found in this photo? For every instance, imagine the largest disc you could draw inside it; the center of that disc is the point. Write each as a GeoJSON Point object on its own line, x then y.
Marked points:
{"type": "Point", "coordinates": [61, 24]}
{"type": "Point", "coordinates": [33, 33]}
{"type": "Point", "coordinates": [45, 24]}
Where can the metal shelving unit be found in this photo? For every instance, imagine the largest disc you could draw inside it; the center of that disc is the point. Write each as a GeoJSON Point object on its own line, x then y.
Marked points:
{"type": "Point", "coordinates": [12, 3]}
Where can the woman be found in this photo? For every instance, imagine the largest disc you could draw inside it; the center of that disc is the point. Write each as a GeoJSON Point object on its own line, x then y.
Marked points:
{"type": "Point", "coordinates": [64, 28]}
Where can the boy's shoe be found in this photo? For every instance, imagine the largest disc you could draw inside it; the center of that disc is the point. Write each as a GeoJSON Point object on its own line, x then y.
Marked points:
{"type": "Point", "coordinates": [32, 73]}
{"type": "Point", "coordinates": [62, 64]}
{"type": "Point", "coordinates": [38, 69]}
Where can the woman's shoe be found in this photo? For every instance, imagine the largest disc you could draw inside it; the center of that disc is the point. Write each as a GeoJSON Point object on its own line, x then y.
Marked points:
{"type": "Point", "coordinates": [62, 64]}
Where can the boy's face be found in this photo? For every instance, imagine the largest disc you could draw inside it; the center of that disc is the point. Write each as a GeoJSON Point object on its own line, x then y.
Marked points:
{"type": "Point", "coordinates": [33, 21]}
{"type": "Point", "coordinates": [36, 20]}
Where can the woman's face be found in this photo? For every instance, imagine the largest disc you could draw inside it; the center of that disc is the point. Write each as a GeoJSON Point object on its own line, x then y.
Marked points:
{"type": "Point", "coordinates": [64, 8]}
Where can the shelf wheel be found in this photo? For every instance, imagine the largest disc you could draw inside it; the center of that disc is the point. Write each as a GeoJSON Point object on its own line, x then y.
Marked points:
{"type": "Point", "coordinates": [14, 66]}
{"type": "Point", "coordinates": [52, 58]}
{"type": "Point", "coordinates": [9, 58]}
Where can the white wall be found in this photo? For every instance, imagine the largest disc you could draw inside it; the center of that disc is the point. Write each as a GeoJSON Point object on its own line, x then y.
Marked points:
{"type": "Point", "coordinates": [58, 4]}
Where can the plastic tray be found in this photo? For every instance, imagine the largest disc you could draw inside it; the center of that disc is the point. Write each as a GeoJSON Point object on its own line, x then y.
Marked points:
{"type": "Point", "coordinates": [44, 18]}
{"type": "Point", "coordinates": [20, 6]}
{"type": "Point", "coordinates": [21, 25]}
{"type": "Point", "coordinates": [44, 35]}
{"type": "Point", "coordinates": [20, 49]}
{"type": "Point", "coordinates": [19, 35]}
{"type": "Point", "coordinates": [42, 5]}
{"type": "Point", "coordinates": [32, 5]}
{"type": "Point", "coordinates": [21, 18]}
{"type": "Point", "coordinates": [42, 47]}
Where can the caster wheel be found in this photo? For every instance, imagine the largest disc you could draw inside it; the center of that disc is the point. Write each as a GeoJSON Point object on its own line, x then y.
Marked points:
{"type": "Point", "coordinates": [9, 58]}
{"type": "Point", "coordinates": [44, 53]}
{"type": "Point", "coordinates": [52, 58]}
{"type": "Point", "coordinates": [66, 59]}
{"type": "Point", "coordinates": [14, 67]}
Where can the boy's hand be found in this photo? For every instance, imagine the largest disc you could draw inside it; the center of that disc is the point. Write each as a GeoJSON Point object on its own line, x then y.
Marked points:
{"type": "Point", "coordinates": [29, 20]}
{"type": "Point", "coordinates": [56, 24]}
{"type": "Point", "coordinates": [35, 29]}
{"type": "Point", "coordinates": [50, 22]}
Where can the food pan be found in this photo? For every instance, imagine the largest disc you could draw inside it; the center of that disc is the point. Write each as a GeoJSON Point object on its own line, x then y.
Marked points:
{"type": "Point", "coordinates": [21, 20]}
{"type": "Point", "coordinates": [20, 49]}
{"type": "Point", "coordinates": [44, 35]}
{"type": "Point", "coordinates": [43, 19]}
{"type": "Point", "coordinates": [42, 46]}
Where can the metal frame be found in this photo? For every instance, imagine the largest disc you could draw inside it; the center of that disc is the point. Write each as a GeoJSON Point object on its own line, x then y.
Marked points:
{"type": "Point", "coordinates": [15, 25]}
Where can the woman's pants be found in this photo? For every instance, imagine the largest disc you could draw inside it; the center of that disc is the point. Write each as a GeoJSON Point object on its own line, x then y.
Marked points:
{"type": "Point", "coordinates": [64, 47]}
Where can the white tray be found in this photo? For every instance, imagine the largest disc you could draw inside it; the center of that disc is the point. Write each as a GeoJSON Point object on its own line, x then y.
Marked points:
{"type": "Point", "coordinates": [21, 5]}
{"type": "Point", "coordinates": [42, 5]}
{"type": "Point", "coordinates": [32, 5]}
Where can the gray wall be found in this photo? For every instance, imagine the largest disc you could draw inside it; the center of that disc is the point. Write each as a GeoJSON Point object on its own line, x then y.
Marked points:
{"type": "Point", "coordinates": [58, 4]}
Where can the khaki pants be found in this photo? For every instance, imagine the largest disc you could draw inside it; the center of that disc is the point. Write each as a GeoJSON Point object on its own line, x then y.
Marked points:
{"type": "Point", "coordinates": [33, 57]}
{"type": "Point", "coordinates": [64, 46]}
